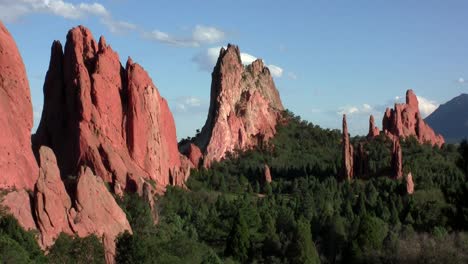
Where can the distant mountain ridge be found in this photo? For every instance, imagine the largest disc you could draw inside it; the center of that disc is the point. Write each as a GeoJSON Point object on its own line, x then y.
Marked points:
{"type": "Point", "coordinates": [451, 119]}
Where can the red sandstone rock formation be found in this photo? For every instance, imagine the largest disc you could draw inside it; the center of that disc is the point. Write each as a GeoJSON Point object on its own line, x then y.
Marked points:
{"type": "Point", "coordinates": [244, 108]}
{"type": "Point", "coordinates": [112, 119]}
{"type": "Point", "coordinates": [97, 212]}
{"type": "Point", "coordinates": [347, 150]}
{"type": "Point", "coordinates": [267, 174]}
{"type": "Point", "coordinates": [52, 202]}
{"type": "Point", "coordinates": [18, 204]}
{"type": "Point", "coordinates": [17, 163]}
{"type": "Point", "coordinates": [405, 120]}
{"type": "Point", "coordinates": [373, 130]}
{"type": "Point", "coordinates": [397, 159]}
{"type": "Point", "coordinates": [194, 154]}
{"type": "Point", "coordinates": [409, 184]}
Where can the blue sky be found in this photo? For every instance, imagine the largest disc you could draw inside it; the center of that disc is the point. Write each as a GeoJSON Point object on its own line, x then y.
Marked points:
{"type": "Point", "coordinates": [329, 57]}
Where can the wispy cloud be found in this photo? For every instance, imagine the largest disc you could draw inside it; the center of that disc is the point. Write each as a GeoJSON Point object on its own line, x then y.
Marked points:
{"type": "Point", "coordinates": [188, 104]}
{"type": "Point", "coordinates": [200, 35]}
{"type": "Point", "coordinates": [12, 10]}
{"type": "Point", "coordinates": [206, 60]}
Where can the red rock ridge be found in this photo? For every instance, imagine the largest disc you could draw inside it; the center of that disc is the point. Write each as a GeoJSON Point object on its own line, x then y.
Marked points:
{"type": "Point", "coordinates": [405, 120]}
{"type": "Point", "coordinates": [244, 107]}
{"type": "Point", "coordinates": [112, 119]}
{"type": "Point", "coordinates": [17, 163]}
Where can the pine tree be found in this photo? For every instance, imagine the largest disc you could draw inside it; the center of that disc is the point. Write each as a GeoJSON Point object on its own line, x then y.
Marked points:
{"type": "Point", "coordinates": [237, 244]}
{"type": "Point", "coordinates": [302, 250]}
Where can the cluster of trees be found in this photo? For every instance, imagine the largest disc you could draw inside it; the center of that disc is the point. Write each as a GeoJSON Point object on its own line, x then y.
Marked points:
{"type": "Point", "coordinates": [229, 214]}
{"type": "Point", "coordinates": [306, 215]}
{"type": "Point", "coordinates": [20, 246]}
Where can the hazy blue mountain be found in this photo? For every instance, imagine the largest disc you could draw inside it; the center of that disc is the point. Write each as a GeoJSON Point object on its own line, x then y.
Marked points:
{"type": "Point", "coordinates": [451, 119]}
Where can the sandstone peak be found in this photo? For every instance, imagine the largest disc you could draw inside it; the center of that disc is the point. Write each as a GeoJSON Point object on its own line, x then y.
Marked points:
{"type": "Point", "coordinates": [112, 119]}
{"type": "Point", "coordinates": [405, 120]}
{"type": "Point", "coordinates": [244, 107]}
{"type": "Point", "coordinates": [373, 130]}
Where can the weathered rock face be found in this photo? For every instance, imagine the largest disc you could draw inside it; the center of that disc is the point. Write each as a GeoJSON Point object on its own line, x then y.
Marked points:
{"type": "Point", "coordinates": [244, 108]}
{"type": "Point", "coordinates": [52, 202]}
{"type": "Point", "coordinates": [18, 204]}
{"type": "Point", "coordinates": [397, 159]}
{"type": "Point", "coordinates": [409, 184]}
{"type": "Point", "coordinates": [97, 212]}
{"type": "Point", "coordinates": [373, 130]}
{"type": "Point", "coordinates": [17, 163]}
{"type": "Point", "coordinates": [194, 154]}
{"type": "Point", "coordinates": [266, 174]}
{"type": "Point", "coordinates": [347, 151]}
{"type": "Point", "coordinates": [405, 120]}
{"type": "Point", "coordinates": [109, 118]}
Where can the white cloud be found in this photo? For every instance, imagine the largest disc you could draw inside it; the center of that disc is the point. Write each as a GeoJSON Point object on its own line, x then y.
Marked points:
{"type": "Point", "coordinates": [203, 34]}
{"type": "Point", "coordinates": [364, 109]}
{"type": "Point", "coordinates": [207, 59]}
{"type": "Point", "coordinates": [12, 10]}
{"type": "Point", "coordinates": [188, 104]}
{"type": "Point", "coordinates": [426, 106]}
{"type": "Point", "coordinates": [461, 80]}
{"type": "Point", "coordinates": [200, 35]}
{"type": "Point", "coordinates": [275, 71]}
{"type": "Point", "coordinates": [116, 26]}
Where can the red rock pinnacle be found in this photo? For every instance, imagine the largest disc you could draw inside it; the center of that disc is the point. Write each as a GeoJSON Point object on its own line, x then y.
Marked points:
{"type": "Point", "coordinates": [347, 150]}
{"type": "Point", "coordinates": [109, 118]}
{"type": "Point", "coordinates": [405, 120]}
{"type": "Point", "coordinates": [244, 108]}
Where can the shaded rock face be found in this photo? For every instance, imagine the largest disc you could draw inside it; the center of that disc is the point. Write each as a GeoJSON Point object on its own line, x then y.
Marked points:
{"type": "Point", "coordinates": [112, 119]}
{"type": "Point", "coordinates": [405, 120]}
{"type": "Point", "coordinates": [397, 159]}
{"type": "Point", "coordinates": [244, 107]}
{"type": "Point", "coordinates": [347, 153]}
{"type": "Point", "coordinates": [194, 154]}
{"type": "Point", "coordinates": [373, 130]}
{"type": "Point", "coordinates": [17, 162]}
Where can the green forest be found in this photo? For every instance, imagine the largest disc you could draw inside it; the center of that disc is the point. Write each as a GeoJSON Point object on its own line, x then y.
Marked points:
{"type": "Point", "coordinates": [230, 214]}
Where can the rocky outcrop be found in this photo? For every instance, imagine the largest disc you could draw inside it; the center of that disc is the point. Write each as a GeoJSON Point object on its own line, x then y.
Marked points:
{"type": "Point", "coordinates": [409, 184]}
{"type": "Point", "coordinates": [373, 130]}
{"type": "Point", "coordinates": [52, 202]}
{"type": "Point", "coordinates": [397, 159]}
{"type": "Point", "coordinates": [266, 174]}
{"type": "Point", "coordinates": [347, 153]}
{"type": "Point", "coordinates": [17, 163]}
{"type": "Point", "coordinates": [244, 107]}
{"type": "Point", "coordinates": [97, 212]}
{"type": "Point", "coordinates": [194, 154]}
{"type": "Point", "coordinates": [93, 211]}
{"type": "Point", "coordinates": [405, 120]}
{"type": "Point", "coordinates": [112, 119]}
{"type": "Point", "coordinates": [18, 204]}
